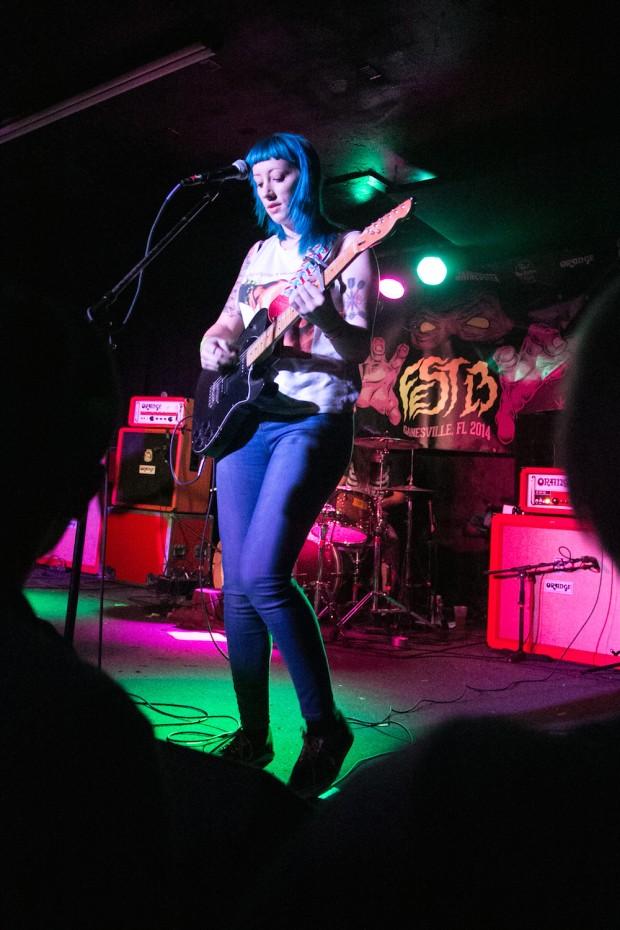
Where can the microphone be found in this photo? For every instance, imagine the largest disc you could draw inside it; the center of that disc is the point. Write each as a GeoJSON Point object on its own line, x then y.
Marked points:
{"type": "Point", "coordinates": [591, 562]}
{"type": "Point", "coordinates": [238, 171]}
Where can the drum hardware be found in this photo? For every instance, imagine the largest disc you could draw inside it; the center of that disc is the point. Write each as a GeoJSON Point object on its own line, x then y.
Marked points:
{"type": "Point", "coordinates": [320, 554]}
{"type": "Point", "coordinates": [356, 556]}
{"type": "Point", "coordinates": [340, 531]}
{"type": "Point", "coordinates": [386, 443]}
{"type": "Point", "coordinates": [375, 595]}
{"type": "Point", "coordinates": [319, 584]}
{"type": "Point", "coordinates": [407, 581]}
{"type": "Point", "coordinates": [409, 490]}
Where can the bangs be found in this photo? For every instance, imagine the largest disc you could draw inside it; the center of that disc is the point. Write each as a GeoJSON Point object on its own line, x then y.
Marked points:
{"type": "Point", "coordinates": [273, 147]}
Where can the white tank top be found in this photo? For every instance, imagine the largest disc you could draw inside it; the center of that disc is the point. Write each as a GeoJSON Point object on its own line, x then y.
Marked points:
{"type": "Point", "coordinates": [307, 368]}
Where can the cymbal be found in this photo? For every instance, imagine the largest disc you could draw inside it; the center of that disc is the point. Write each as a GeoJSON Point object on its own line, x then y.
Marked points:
{"type": "Point", "coordinates": [386, 442]}
{"type": "Point", "coordinates": [410, 488]}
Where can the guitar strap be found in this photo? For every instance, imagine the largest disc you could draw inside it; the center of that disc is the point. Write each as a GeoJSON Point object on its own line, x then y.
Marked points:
{"type": "Point", "coordinates": [316, 256]}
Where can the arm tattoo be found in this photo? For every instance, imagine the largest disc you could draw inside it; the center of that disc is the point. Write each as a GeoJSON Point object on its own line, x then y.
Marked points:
{"type": "Point", "coordinates": [231, 307]}
{"type": "Point", "coordinates": [354, 298]}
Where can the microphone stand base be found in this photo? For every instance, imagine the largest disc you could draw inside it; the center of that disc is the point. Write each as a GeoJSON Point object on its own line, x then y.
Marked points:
{"type": "Point", "coordinates": [521, 656]}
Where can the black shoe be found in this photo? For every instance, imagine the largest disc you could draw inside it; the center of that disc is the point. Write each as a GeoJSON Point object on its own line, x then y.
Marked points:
{"type": "Point", "coordinates": [321, 757]}
{"type": "Point", "coordinates": [248, 750]}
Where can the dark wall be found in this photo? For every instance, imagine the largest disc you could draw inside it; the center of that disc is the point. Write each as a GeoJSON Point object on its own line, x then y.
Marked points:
{"type": "Point", "coordinates": [76, 220]}
{"type": "Point", "coordinates": [467, 488]}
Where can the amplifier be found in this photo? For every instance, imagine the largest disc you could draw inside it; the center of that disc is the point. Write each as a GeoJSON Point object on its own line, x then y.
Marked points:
{"type": "Point", "coordinates": [142, 543]}
{"type": "Point", "coordinates": [571, 612]}
{"type": "Point", "coordinates": [159, 411]}
{"type": "Point", "coordinates": [156, 469]}
{"type": "Point", "coordinates": [544, 491]}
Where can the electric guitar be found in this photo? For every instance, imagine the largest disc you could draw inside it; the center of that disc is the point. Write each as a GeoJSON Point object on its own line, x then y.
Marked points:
{"type": "Point", "coordinates": [223, 401]}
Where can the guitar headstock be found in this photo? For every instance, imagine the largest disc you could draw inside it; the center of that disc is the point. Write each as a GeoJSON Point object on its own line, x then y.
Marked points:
{"type": "Point", "coordinates": [379, 229]}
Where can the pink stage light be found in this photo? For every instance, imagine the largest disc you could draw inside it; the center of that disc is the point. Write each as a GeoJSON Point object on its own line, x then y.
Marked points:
{"type": "Point", "coordinates": [391, 288]}
{"type": "Point", "coordinates": [197, 636]}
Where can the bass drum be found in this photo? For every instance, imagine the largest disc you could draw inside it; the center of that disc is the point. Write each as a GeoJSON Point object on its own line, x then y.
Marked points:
{"type": "Point", "coordinates": [306, 570]}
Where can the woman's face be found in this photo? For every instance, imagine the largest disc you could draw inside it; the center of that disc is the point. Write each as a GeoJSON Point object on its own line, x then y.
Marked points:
{"type": "Point", "coordinates": [275, 181]}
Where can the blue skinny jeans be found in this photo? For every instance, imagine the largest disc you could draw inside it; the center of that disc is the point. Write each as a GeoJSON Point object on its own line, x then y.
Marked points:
{"type": "Point", "coordinates": [269, 493]}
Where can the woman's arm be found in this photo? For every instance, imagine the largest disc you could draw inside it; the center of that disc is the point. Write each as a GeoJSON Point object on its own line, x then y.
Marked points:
{"type": "Point", "coordinates": [343, 312]}
{"type": "Point", "coordinates": [217, 347]}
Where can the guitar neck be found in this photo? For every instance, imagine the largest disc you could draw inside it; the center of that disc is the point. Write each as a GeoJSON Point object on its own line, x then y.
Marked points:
{"type": "Point", "coordinates": [263, 343]}
{"type": "Point", "coordinates": [369, 236]}
{"type": "Point", "coordinates": [275, 330]}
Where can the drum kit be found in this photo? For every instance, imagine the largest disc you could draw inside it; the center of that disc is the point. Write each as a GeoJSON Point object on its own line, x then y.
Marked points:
{"type": "Point", "coordinates": [350, 526]}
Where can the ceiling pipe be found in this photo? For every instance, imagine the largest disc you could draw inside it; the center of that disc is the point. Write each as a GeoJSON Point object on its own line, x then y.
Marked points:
{"type": "Point", "coordinates": [176, 61]}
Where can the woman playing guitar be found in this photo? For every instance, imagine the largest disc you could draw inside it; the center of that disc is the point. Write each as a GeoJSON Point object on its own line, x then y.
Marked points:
{"type": "Point", "coordinates": [294, 444]}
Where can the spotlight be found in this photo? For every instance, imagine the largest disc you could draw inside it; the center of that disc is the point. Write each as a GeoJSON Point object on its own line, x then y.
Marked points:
{"type": "Point", "coordinates": [431, 270]}
{"type": "Point", "coordinates": [391, 288]}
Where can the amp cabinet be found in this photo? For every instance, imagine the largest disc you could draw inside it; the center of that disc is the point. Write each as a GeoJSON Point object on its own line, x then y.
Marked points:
{"type": "Point", "coordinates": [572, 615]}
{"type": "Point", "coordinates": [156, 469]}
{"type": "Point", "coordinates": [147, 542]}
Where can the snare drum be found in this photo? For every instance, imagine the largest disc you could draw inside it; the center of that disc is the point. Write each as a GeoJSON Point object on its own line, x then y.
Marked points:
{"type": "Point", "coordinates": [350, 522]}
{"type": "Point", "coordinates": [307, 566]}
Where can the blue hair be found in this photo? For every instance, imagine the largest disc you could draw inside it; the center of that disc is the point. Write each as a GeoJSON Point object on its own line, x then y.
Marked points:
{"type": "Point", "coordinates": [306, 207]}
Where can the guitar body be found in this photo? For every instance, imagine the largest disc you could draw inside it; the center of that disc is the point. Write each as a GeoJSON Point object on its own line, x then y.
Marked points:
{"type": "Point", "coordinates": [224, 401]}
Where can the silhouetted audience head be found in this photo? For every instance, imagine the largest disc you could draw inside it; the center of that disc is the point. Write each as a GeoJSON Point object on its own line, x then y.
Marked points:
{"type": "Point", "coordinates": [63, 385]}
{"type": "Point", "coordinates": [590, 424]}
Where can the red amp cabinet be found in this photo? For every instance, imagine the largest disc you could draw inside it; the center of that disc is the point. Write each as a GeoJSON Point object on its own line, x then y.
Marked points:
{"type": "Point", "coordinates": [145, 542]}
{"type": "Point", "coordinates": [570, 612]}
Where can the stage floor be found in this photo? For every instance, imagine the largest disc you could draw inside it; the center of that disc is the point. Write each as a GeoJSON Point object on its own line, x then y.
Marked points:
{"type": "Point", "coordinates": [392, 683]}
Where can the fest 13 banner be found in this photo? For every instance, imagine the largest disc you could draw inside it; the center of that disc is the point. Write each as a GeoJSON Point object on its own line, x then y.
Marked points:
{"type": "Point", "coordinates": [453, 367]}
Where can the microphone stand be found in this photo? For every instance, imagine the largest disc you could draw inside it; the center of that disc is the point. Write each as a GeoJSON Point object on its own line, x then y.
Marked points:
{"type": "Point", "coordinates": [98, 315]}
{"type": "Point", "coordinates": [529, 573]}
{"type": "Point", "coordinates": [110, 296]}
{"type": "Point", "coordinates": [522, 573]}
{"type": "Point", "coordinates": [74, 582]}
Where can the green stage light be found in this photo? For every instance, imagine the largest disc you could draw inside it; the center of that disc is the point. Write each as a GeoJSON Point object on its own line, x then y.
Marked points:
{"type": "Point", "coordinates": [431, 270]}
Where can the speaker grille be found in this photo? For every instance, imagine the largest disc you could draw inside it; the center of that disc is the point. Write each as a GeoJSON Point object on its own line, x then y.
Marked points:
{"type": "Point", "coordinates": [144, 475]}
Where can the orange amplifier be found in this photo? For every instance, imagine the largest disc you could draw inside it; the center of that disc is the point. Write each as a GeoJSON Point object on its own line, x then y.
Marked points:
{"type": "Point", "coordinates": [159, 411]}
{"type": "Point", "coordinates": [544, 491]}
{"type": "Point", "coordinates": [156, 469]}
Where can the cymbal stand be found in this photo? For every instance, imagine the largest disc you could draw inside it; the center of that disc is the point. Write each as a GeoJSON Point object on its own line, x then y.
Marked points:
{"type": "Point", "coordinates": [407, 583]}
{"type": "Point", "coordinates": [375, 595]}
{"type": "Point", "coordinates": [432, 566]}
{"type": "Point", "coordinates": [406, 570]}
